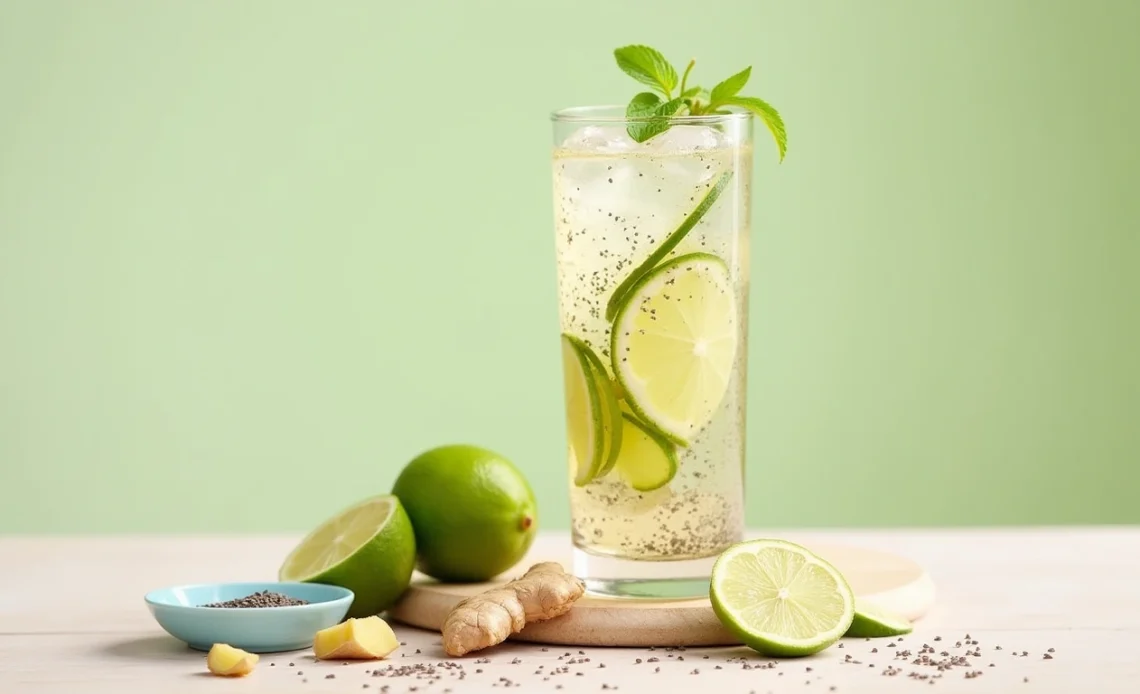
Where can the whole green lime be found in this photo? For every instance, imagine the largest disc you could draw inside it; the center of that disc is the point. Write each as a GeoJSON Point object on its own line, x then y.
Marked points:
{"type": "Point", "coordinates": [473, 512]}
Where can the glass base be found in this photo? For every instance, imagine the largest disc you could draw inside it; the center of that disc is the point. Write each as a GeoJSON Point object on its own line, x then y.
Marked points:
{"type": "Point", "coordinates": [612, 577]}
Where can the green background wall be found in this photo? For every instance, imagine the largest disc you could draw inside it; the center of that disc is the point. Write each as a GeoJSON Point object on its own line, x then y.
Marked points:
{"type": "Point", "coordinates": [255, 256]}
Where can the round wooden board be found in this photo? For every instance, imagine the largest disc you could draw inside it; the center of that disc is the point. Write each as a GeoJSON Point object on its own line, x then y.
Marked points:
{"type": "Point", "coordinates": [894, 582]}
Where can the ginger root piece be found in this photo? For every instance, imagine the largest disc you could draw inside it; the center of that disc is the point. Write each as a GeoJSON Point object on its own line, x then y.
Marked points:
{"type": "Point", "coordinates": [226, 661]}
{"type": "Point", "coordinates": [366, 638]}
{"type": "Point", "coordinates": [544, 592]}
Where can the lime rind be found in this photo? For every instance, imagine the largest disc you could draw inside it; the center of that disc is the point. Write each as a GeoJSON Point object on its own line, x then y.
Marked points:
{"type": "Point", "coordinates": [651, 285]}
{"type": "Point", "coordinates": [648, 460]}
{"type": "Point", "coordinates": [666, 246]}
{"type": "Point", "coordinates": [875, 621]}
{"type": "Point", "coordinates": [610, 409]}
{"type": "Point", "coordinates": [752, 579]}
{"type": "Point", "coordinates": [584, 428]}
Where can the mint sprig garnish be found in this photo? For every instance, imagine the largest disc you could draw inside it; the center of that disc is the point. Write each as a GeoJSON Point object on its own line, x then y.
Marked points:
{"type": "Point", "coordinates": [655, 109]}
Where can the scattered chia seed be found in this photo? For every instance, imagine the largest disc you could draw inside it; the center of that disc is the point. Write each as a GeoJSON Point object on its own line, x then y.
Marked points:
{"type": "Point", "coordinates": [264, 598]}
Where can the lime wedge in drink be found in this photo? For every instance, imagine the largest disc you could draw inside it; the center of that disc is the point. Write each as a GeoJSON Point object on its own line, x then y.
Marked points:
{"type": "Point", "coordinates": [873, 621]}
{"type": "Point", "coordinates": [779, 598]}
{"type": "Point", "coordinates": [648, 460]}
{"type": "Point", "coordinates": [592, 414]}
{"type": "Point", "coordinates": [673, 344]}
{"type": "Point", "coordinates": [368, 548]}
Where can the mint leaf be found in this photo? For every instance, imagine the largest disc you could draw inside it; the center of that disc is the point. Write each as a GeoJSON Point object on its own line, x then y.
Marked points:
{"type": "Point", "coordinates": [766, 113]}
{"type": "Point", "coordinates": [654, 110]}
{"type": "Point", "coordinates": [648, 66]}
{"type": "Point", "coordinates": [648, 105]}
{"type": "Point", "coordinates": [730, 87]}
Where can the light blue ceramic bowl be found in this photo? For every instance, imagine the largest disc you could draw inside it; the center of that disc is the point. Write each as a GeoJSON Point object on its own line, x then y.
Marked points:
{"type": "Point", "coordinates": [254, 629]}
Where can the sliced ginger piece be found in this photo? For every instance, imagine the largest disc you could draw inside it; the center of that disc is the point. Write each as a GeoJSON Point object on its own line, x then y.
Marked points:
{"type": "Point", "coordinates": [227, 661]}
{"type": "Point", "coordinates": [367, 638]}
{"type": "Point", "coordinates": [544, 592]}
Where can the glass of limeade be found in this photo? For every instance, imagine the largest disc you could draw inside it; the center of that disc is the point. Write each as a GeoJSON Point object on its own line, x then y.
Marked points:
{"type": "Point", "coordinates": [652, 245]}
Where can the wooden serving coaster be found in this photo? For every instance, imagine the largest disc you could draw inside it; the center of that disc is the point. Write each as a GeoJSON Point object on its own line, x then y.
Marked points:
{"type": "Point", "coordinates": [894, 582]}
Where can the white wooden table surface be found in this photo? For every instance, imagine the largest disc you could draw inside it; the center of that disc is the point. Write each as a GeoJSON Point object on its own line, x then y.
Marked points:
{"type": "Point", "coordinates": [72, 621]}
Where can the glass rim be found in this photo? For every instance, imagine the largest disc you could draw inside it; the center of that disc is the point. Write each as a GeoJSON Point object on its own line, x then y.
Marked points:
{"type": "Point", "coordinates": [615, 113]}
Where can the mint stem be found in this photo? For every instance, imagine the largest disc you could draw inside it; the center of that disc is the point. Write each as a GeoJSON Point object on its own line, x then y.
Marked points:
{"type": "Point", "coordinates": [685, 76]}
{"type": "Point", "coordinates": [667, 245]}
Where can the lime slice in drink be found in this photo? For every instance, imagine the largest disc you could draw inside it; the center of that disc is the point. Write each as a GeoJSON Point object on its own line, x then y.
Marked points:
{"type": "Point", "coordinates": [674, 342]}
{"type": "Point", "coordinates": [873, 621]}
{"type": "Point", "coordinates": [779, 598]}
{"type": "Point", "coordinates": [611, 409]}
{"type": "Point", "coordinates": [648, 460]}
{"type": "Point", "coordinates": [368, 548]}
{"type": "Point", "coordinates": [592, 415]}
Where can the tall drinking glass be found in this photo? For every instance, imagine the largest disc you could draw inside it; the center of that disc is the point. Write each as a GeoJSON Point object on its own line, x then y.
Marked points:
{"type": "Point", "coordinates": [652, 236]}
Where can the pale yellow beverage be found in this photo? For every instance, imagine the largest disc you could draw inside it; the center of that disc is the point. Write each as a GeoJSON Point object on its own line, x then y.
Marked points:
{"type": "Point", "coordinates": [665, 329]}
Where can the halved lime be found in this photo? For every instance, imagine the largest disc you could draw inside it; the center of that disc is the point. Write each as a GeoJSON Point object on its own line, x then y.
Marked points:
{"type": "Point", "coordinates": [368, 548]}
{"type": "Point", "coordinates": [590, 410]}
{"type": "Point", "coordinates": [874, 621]}
{"type": "Point", "coordinates": [779, 598]}
{"type": "Point", "coordinates": [648, 460]}
{"type": "Point", "coordinates": [611, 411]}
{"type": "Point", "coordinates": [674, 342]}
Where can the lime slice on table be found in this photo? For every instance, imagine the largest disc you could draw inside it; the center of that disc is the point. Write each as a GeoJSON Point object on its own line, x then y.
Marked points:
{"type": "Point", "coordinates": [368, 548]}
{"type": "Point", "coordinates": [673, 344]}
{"type": "Point", "coordinates": [648, 460]}
{"type": "Point", "coordinates": [779, 598]}
{"type": "Point", "coordinates": [593, 424]}
{"type": "Point", "coordinates": [873, 621]}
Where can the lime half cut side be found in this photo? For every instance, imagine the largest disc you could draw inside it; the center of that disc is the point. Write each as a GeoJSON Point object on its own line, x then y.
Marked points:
{"type": "Point", "coordinates": [369, 548]}
{"type": "Point", "coordinates": [648, 460]}
{"type": "Point", "coordinates": [779, 598]}
{"type": "Point", "coordinates": [585, 412]}
{"type": "Point", "coordinates": [874, 621]}
{"type": "Point", "coordinates": [674, 342]}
